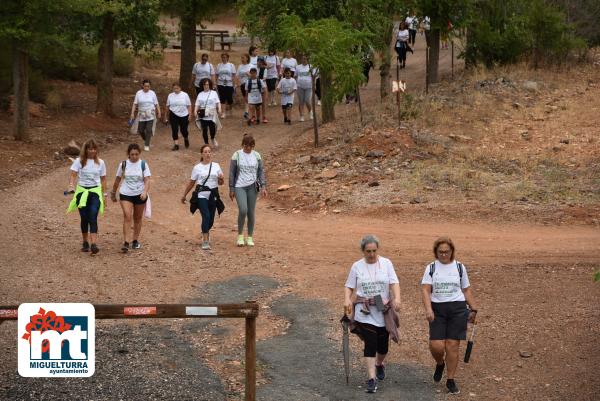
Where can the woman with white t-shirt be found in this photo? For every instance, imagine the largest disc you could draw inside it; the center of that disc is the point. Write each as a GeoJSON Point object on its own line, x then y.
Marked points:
{"type": "Point", "coordinates": [402, 44]}
{"type": "Point", "coordinates": [243, 73]}
{"type": "Point", "coordinates": [148, 110]}
{"type": "Point", "coordinates": [446, 293]}
{"type": "Point", "coordinates": [372, 299]}
{"type": "Point", "coordinates": [246, 180]}
{"type": "Point", "coordinates": [304, 82]}
{"type": "Point", "coordinates": [289, 62]}
{"type": "Point", "coordinates": [202, 70]}
{"type": "Point", "coordinates": [133, 183]}
{"type": "Point", "coordinates": [207, 110]}
{"type": "Point", "coordinates": [206, 176]}
{"type": "Point", "coordinates": [89, 172]}
{"type": "Point", "coordinates": [179, 106]}
{"type": "Point", "coordinates": [273, 66]}
{"type": "Point", "coordinates": [225, 84]}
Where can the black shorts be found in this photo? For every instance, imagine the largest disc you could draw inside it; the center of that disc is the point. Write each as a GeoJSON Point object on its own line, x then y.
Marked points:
{"type": "Point", "coordinates": [450, 322]}
{"type": "Point", "coordinates": [243, 90]}
{"type": "Point", "coordinates": [136, 200]}
{"type": "Point", "coordinates": [376, 339]}
{"type": "Point", "coordinates": [225, 94]}
{"type": "Point", "coordinates": [255, 104]}
{"type": "Point", "coordinates": [271, 84]}
{"type": "Point", "coordinates": [287, 106]}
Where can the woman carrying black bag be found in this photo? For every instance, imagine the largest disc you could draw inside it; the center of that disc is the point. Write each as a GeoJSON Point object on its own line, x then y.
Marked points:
{"type": "Point", "coordinates": [206, 176]}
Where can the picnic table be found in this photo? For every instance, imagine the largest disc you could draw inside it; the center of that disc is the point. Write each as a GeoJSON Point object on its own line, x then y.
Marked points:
{"type": "Point", "coordinates": [225, 39]}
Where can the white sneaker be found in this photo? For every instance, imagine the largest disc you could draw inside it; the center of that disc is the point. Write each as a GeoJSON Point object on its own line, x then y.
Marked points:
{"type": "Point", "coordinates": [318, 102]}
{"type": "Point", "coordinates": [301, 118]}
{"type": "Point", "coordinates": [205, 246]}
{"type": "Point", "coordinates": [147, 148]}
{"type": "Point", "coordinates": [310, 115]}
{"type": "Point", "coordinates": [274, 102]}
{"type": "Point", "coordinates": [214, 142]}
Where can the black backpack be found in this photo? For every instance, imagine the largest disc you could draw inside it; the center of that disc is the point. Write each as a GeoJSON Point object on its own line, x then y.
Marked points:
{"type": "Point", "coordinates": [459, 266]}
{"type": "Point", "coordinates": [259, 84]}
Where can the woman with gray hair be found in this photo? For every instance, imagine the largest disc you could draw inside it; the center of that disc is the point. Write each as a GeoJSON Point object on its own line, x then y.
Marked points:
{"type": "Point", "coordinates": [372, 299]}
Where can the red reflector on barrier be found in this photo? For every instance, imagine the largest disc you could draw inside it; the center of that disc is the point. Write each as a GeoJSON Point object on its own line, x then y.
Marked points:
{"type": "Point", "coordinates": [9, 313]}
{"type": "Point", "coordinates": [139, 310]}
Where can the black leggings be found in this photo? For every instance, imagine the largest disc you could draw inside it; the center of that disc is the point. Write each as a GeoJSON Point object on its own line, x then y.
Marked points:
{"type": "Point", "coordinates": [401, 48]}
{"type": "Point", "coordinates": [178, 123]}
{"type": "Point", "coordinates": [376, 340]}
{"type": "Point", "coordinates": [206, 125]}
{"type": "Point", "coordinates": [412, 36]}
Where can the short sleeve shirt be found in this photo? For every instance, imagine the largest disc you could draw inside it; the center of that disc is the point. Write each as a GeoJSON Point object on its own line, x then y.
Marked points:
{"type": "Point", "coordinates": [287, 86]}
{"type": "Point", "coordinates": [370, 280]}
{"type": "Point", "coordinates": [446, 283]}
{"type": "Point", "coordinates": [207, 100]}
{"type": "Point", "coordinates": [272, 71]}
{"type": "Point", "coordinates": [290, 63]}
{"type": "Point", "coordinates": [199, 174]}
{"type": "Point", "coordinates": [90, 174]}
{"type": "Point", "coordinates": [247, 164]}
{"type": "Point", "coordinates": [202, 71]}
{"type": "Point", "coordinates": [178, 103]}
{"type": "Point", "coordinates": [225, 73]}
{"type": "Point", "coordinates": [255, 94]}
{"type": "Point", "coordinates": [133, 181]}
{"type": "Point", "coordinates": [303, 77]}
{"type": "Point", "coordinates": [146, 103]}
{"type": "Point", "coordinates": [243, 72]}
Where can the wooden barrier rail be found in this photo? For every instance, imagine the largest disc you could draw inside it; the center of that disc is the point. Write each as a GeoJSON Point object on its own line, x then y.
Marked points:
{"type": "Point", "coordinates": [247, 310]}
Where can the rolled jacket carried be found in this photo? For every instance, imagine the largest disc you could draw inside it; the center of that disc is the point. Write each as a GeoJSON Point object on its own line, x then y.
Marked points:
{"type": "Point", "coordinates": [390, 316]}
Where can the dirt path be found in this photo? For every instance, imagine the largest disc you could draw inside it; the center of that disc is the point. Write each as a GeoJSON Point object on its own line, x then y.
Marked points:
{"type": "Point", "coordinates": [533, 282]}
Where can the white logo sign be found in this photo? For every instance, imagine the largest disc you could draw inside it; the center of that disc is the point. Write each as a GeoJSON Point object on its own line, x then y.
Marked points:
{"type": "Point", "coordinates": [56, 340]}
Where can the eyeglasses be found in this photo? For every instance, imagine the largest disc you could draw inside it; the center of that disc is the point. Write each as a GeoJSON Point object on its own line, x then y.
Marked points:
{"type": "Point", "coordinates": [370, 250]}
{"type": "Point", "coordinates": [444, 252]}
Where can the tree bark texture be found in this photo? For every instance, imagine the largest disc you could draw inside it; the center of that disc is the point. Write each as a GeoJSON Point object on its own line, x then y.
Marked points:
{"type": "Point", "coordinates": [104, 89]}
{"type": "Point", "coordinates": [386, 60]}
{"type": "Point", "coordinates": [21, 91]}
{"type": "Point", "coordinates": [188, 49]}
{"type": "Point", "coordinates": [434, 55]}
{"type": "Point", "coordinates": [328, 102]}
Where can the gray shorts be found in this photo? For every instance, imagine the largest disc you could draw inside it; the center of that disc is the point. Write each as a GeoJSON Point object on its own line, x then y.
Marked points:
{"type": "Point", "coordinates": [304, 96]}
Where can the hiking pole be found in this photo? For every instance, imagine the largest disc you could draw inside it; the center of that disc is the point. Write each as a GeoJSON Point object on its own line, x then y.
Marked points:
{"type": "Point", "coordinates": [470, 345]}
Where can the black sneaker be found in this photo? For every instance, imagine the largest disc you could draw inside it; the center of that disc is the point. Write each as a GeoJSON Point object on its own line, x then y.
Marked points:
{"type": "Point", "coordinates": [94, 248]}
{"type": "Point", "coordinates": [186, 142]}
{"type": "Point", "coordinates": [380, 372]}
{"type": "Point", "coordinates": [439, 370]}
{"type": "Point", "coordinates": [452, 387]}
{"type": "Point", "coordinates": [135, 244]}
{"type": "Point", "coordinates": [125, 247]}
{"type": "Point", "coordinates": [371, 386]}
{"type": "Point", "coordinates": [85, 247]}
{"type": "Point", "coordinates": [175, 147]}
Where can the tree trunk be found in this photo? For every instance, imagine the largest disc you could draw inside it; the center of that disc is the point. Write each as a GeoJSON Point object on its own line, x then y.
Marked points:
{"type": "Point", "coordinates": [434, 54]}
{"type": "Point", "coordinates": [21, 88]}
{"type": "Point", "coordinates": [104, 99]}
{"type": "Point", "coordinates": [314, 111]}
{"type": "Point", "coordinates": [188, 49]}
{"type": "Point", "coordinates": [384, 69]}
{"type": "Point", "coordinates": [328, 102]}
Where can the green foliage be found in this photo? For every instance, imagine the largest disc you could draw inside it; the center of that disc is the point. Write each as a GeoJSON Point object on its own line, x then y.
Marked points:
{"type": "Point", "coordinates": [330, 45]}
{"type": "Point", "coordinates": [597, 276]}
{"type": "Point", "coordinates": [506, 31]}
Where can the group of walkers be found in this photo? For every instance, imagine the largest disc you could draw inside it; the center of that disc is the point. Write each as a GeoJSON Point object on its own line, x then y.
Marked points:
{"type": "Point", "coordinates": [407, 35]}
{"type": "Point", "coordinates": [372, 300]}
{"type": "Point", "coordinates": [259, 79]}
{"type": "Point", "coordinates": [87, 183]}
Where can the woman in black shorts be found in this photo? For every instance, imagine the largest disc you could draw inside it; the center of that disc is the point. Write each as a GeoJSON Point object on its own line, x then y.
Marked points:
{"type": "Point", "coordinates": [446, 294]}
{"type": "Point", "coordinates": [133, 177]}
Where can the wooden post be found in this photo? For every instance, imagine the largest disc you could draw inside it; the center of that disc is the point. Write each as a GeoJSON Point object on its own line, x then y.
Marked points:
{"type": "Point", "coordinates": [251, 358]}
{"type": "Point", "coordinates": [360, 110]}
{"type": "Point", "coordinates": [398, 92]}
{"type": "Point", "coordinates": [427, 70]}
{"type": "Point", "coordinates": [452, 60]}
